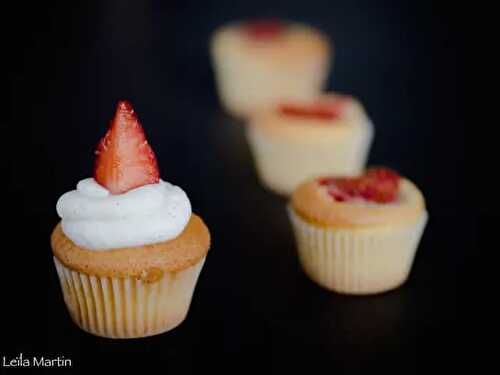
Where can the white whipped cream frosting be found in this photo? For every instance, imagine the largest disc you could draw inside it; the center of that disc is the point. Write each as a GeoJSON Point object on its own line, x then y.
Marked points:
{"type": "Point", "coordinates": [95, 219]}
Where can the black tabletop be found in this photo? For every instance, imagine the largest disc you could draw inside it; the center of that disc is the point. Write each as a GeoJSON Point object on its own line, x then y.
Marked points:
{"type": "Point", "coordinates": [253, 308]}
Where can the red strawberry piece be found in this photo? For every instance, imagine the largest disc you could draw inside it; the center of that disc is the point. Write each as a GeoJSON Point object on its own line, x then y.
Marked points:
{"type": "Point", "coordinates": [340, 188]}
{"type": "Point", "coordinates": [326, 110]}
{"type": "Point", "coordinates": [379, 185]}
{"type": "Point", "coordinates": [124, 159]}
{"type": "Point", "coordinates": [264, 29]}
{"type": "Point", "coordinates": [349, 185]}
{"type": "Point", "coordinates": [338, 194]}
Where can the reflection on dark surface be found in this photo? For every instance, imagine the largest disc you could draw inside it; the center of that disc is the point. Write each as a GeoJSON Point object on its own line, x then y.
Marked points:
{"type": "Point", "coordinates": [280, 293]}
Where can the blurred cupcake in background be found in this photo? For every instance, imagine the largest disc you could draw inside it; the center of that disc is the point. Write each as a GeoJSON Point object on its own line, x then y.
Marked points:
{"type": "Point", "coordinates": [358, 235]}
{"type": "Point", "coordinates": [297, 140]}
{"type": "Point", "coordinates": [257, 63]}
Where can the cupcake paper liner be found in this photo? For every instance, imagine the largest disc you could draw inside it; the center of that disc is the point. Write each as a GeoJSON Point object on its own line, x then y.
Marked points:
{"type": "Point", "coordinates": [243, 92]}
{"type": "Point", "coordinates": [127, 307]}
{"type": "Point", "coordinates": [282, 165]}
{"type": "Point", "coordinates": [247, 86]}
{"type": "Point", "coordinates": [357, 260]}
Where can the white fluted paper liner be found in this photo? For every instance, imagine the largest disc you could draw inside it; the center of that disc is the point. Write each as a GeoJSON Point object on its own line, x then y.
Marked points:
{"type": "Point", "coordinates": [282, 164]}
{"type": "Point", "coordinates": [127, 307]}
{"type": "Point", "coordinates": [246, 86]}
{"type": "Point", "coordinates": [354, 260]}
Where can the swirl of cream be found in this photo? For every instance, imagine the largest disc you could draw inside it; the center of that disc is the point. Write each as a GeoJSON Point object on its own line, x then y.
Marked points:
{"type": "Point", "coordinates": [97, 220]}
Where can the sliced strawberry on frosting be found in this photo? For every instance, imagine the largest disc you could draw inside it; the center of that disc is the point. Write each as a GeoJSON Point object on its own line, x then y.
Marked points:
{"type": "Point", "coordinates": [380, 185]}
{"type": "Point", "coordinates": [124, 159]}
{"type": "Point", "coordinates": [264, 29]}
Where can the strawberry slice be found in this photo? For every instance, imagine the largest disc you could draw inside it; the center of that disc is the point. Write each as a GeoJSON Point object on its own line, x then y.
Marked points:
{"type": "Point", "coordinates": [124, 159]}
{"type": "Point", "coordinates": [323, 110]}
{"type": "Point", "coordinates": [264, 29]}
{"type": "Point", "coordinates": [380, 185]}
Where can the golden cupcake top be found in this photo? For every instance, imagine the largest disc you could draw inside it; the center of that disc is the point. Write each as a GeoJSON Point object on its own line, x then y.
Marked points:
{"type": "Point", "coordinates": [270, 41]}
{"type": "Point", "coordinates": [329, 116]}
{"type": "Point", "coordinates": [378, 197]}
{"type": "Point", "coordinates": [147, 263]}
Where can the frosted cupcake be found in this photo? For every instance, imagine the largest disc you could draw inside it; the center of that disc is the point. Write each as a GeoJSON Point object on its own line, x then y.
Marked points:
{"type": "Point", "coordinates": [358, 235]}
{"type": "Point", "coordinates": [260, 62]}
{"type": "Point", "coordinates": [128, 249]}
{"type": "Point", "coordinates": [297, 140]}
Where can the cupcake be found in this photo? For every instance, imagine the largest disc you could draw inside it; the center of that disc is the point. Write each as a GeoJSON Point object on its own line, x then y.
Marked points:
{"type": "Point", "coordinates": [297, 140]}
{"type": "Point", "coordinates": [260, 62]}
{"type": "Point", "coordinates": [358, 235]}
{"type": "Point", "coordinates": [128, 249]}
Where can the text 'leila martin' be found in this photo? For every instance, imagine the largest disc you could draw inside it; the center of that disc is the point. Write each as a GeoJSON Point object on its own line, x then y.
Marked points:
{"type": "Point", "coordinates": [40, 361]}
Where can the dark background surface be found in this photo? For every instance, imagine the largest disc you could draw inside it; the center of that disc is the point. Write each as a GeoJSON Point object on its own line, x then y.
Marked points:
{"type": "Point", "coordinates": [253, 309]}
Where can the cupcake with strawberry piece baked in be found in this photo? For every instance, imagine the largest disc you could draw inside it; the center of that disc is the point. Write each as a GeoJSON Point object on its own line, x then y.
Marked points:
{"type": "Point", "coordinates": [358, 235]}
{"type": "Point", "coordinates": [128, 249]}
{"type": "Point", "coordinates": [260, 62]}
{"type": "Point", "coordinates": [297, 140]}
